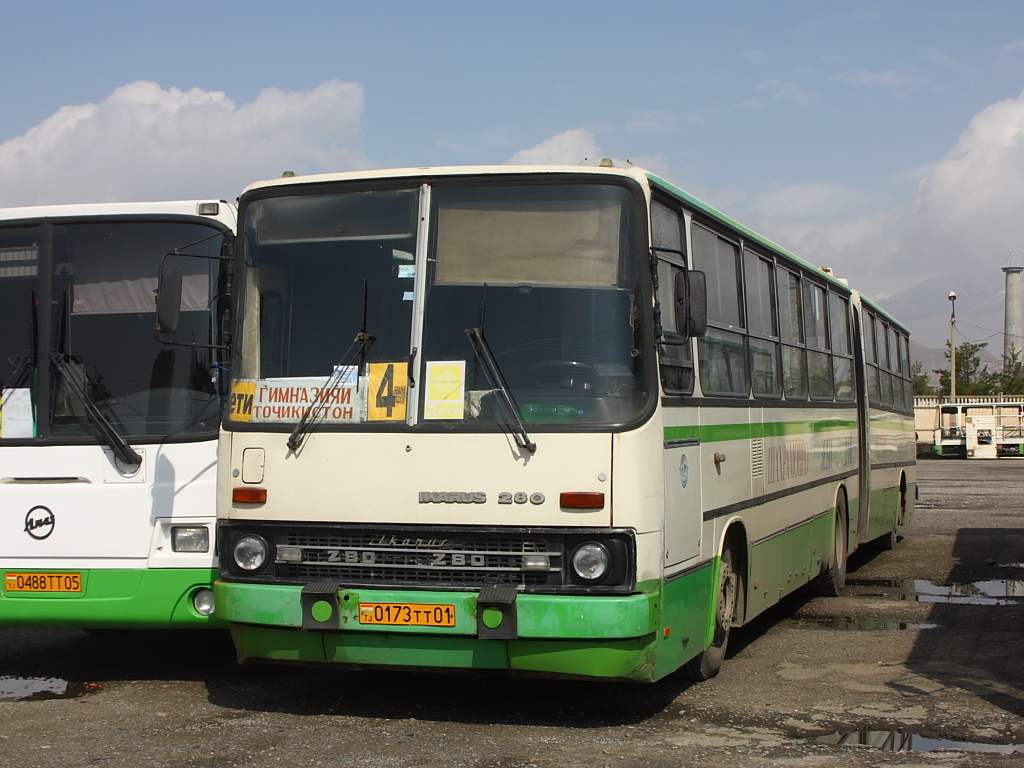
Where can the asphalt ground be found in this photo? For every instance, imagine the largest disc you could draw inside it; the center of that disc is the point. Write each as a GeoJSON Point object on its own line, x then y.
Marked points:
{"type": "Point", "coordinates": [922, 651]}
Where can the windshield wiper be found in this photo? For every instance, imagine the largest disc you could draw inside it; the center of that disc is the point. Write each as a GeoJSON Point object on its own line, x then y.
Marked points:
{"type": "Point", "coordinates": [111, 437]}
{"type": "Point", "coordinates": [362, 343]}
{"type": "Point", "coordinates": [497, 380]}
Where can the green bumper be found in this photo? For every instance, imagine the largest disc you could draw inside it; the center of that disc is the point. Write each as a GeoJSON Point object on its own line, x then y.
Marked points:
{"type": "Point", "coordinates": [155, 598]}
{"type": "Point", "coordinates": [606, 636]}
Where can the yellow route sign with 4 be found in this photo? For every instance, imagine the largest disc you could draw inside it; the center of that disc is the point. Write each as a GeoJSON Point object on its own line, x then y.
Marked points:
{"type": "Point", "coordinates": [389, 386]}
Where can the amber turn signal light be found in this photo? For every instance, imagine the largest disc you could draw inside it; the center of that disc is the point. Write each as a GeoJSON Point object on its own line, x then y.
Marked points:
{"type": "Point", "coordinates": [249, 495]}
{"type": "Point", "coordinates": [581, 500]}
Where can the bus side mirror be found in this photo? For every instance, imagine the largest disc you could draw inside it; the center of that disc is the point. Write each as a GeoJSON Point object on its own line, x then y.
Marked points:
{"type": "Point", "coordinates": [168, 298]}
{"type": "Point", "coordinates": [691, 297]}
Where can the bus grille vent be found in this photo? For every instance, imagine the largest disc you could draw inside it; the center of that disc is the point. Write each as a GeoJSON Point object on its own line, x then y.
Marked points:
{"type": "Point", "coordinates": [405, 559]}
{"type": "Point", "coordinates": [757, 457]}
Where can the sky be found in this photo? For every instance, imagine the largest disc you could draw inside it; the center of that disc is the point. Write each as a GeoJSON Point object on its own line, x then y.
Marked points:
{"type": "Point", "coordinates": [884, 140]}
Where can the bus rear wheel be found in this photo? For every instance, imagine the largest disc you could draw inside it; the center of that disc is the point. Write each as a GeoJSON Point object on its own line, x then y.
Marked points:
{"type": "Point", "coordinates": [730, 595]}
{"type": "Point", "coordinates": [830, 583]}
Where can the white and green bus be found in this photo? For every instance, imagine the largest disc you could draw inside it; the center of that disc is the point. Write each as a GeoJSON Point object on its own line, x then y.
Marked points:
{"type": "Point", "coordinates": [108, 435]}
{"type": "Point", "coordinates": [547, 420]}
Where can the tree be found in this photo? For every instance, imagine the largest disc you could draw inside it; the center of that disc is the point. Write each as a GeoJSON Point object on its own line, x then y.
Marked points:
{"type": "Point", "coordinates": [921, 381]}
{"type": "Point", "coordinates": [971, 377]}
{"type": "Point", "coordinates": [1010, 380]}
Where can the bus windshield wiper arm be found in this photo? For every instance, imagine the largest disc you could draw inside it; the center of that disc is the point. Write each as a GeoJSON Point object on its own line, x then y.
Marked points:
{"type": "Point", "coordinates": [308, 421]}
{"type": "Point", "coordinates": [362, 343]}
{"type": "Point", "coordinates": [493, 373]}
{"type": "Point", "coordinates": [111, 437]}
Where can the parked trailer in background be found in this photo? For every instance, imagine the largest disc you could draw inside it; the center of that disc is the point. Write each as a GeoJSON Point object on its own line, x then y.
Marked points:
{"type": "Point", "coordinates": [108, 437]}
{"type": "Point", "coordinates": [547, 420]}
{"type": "Point", "coordinates": [974, 427]}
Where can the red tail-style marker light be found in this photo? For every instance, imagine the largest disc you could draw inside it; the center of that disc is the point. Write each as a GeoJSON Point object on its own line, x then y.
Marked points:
{"type": "Point", "coordinates": [581, 500]}
{"type": "Point", "coordinates": [249, 495]}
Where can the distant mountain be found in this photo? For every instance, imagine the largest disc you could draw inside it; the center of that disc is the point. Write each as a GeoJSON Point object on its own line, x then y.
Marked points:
{"type": "Point", "coordinates": [935, 359]}
{"type": "Point", "coordinates": [925, 309]}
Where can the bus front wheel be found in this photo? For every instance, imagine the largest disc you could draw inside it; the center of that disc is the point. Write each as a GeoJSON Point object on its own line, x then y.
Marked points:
{"type": "Point", "coordinates": [729, 596]}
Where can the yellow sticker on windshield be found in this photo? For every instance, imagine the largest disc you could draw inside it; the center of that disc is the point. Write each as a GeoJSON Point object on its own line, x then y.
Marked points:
{"type": "Point", "coordinates": [389, 386]}
{"type": "Point", "coordinates": [446, 389]}
{"type": "Point", "coordinates": [240, 402]}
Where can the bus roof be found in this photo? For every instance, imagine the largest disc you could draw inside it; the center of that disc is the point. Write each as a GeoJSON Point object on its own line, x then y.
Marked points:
{"type": "Point", "coordinates": [225, 211]}
{"type": "Point", "coordinates": [637, 174]}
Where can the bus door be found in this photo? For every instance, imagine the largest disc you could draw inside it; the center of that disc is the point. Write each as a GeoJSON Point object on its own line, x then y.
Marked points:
{"type": "Point", "coordinates": [859, 526]}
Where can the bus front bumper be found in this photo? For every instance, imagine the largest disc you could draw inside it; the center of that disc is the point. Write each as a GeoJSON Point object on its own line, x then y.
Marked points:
{"type": "Point", "coordinates": [153, 598]}
{"type": "Point", "coordinates": [607, 636]}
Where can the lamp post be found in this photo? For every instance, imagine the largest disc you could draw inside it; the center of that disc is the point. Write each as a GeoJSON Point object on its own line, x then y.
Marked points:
{"type": "Point", "coordinates": [952, 348]}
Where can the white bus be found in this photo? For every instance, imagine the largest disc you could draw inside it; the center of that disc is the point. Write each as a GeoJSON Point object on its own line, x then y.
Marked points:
{"type": "Point", "coordinates": [547, 420]}
{"type": "Point", "coordinates": [108, 436]}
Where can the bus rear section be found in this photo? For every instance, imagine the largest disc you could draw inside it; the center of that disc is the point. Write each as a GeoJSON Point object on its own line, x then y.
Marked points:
{"type": "Point", "coordinates": [107, 436]}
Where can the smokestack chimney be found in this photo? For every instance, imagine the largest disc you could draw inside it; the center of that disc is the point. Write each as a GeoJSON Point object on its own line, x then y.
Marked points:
{"type": "Point", "coordinates": [1012, 328]}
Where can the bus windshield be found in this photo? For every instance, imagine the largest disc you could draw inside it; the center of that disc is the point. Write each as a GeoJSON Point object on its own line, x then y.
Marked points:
{"type": "Point", "coordinates": [547, 272]}
{"type": "Point", "coordinates": [102, 318]}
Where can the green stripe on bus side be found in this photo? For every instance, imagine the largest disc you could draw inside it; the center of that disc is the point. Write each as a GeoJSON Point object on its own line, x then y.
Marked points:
{"type": "Point", "coordinates": [720, 433]}
{"type": "Point", "coordinates": [893, 423]}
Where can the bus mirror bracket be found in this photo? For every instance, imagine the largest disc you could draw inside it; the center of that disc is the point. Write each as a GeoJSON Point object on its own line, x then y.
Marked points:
{"type": "Point", "coordinates": [691, 298]}
{"type": "Point", "coordinates": [168, 295]}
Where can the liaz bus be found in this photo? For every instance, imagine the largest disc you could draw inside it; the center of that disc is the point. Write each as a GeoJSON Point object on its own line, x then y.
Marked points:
{"type": "Point", "coordinates": [547, 420]}
{"type": "Point", "coordinates": [108, 436]}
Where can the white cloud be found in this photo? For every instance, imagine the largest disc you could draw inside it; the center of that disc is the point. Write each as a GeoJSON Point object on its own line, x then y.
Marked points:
{"type": "Point", "coordinates": [817, 201]}
{"type": "Point", "coordinates": [654, 120]}
{"type": "Point", "coordinates": [783, 90]}
{"type": "Point", "coordinates": [567, 148]}
{"type": "Point", "coordinates": [146, 143]}
{"type": "Point", "coordinates": [887, 79]}
{"type": "Point", "coordinates": [967, 214]}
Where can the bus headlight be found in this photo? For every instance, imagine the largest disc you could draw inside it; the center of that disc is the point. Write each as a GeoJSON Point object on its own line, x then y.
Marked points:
{"type": "Point", "coordinates": [190, 538]}
{"type": "Point", "coordinates": [591, 560]}
{"type": "Point", "coordinates": [202, 601]}
{"type": "Point", "coordinates": [250, 552]}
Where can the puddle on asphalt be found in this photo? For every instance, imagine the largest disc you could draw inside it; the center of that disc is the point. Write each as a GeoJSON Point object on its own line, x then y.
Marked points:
{"type": "Point", "coordinates": [903, 741]}
{"type": "Point", "coordinates": [991, 592]}
{"type": "Point", "coordinates": [847, 624]}
{"type": "Point", "coordinates": [38, 688]}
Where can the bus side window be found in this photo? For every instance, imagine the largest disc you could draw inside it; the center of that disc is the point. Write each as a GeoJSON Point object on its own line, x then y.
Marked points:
{"type": "Point", "coordinates": [722, 351]}
{"type": "Point", "coordinates": [794, 365]}
{"type": "Point", "coordinates": [842, 358]}
{"type": "Point", "coordinates": [676, 359]}
{"type": "Point", "coordinates": [870, 351]}
{"type": "Point", "coordinates": [763, 326]}
{"type": "Point", "coordinates": [819, 368]}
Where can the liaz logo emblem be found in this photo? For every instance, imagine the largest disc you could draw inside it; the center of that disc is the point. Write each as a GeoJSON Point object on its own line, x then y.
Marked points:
{"type": "Point", "coordinates": [39, 522]}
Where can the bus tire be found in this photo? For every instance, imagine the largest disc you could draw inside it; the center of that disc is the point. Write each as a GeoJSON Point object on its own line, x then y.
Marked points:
{"type": "Point", "coordinates": [831, 581]}
{"type": "Point", "coordinates": [706, 664]}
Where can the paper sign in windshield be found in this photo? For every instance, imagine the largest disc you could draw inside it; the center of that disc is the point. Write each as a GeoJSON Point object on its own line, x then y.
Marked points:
{"type": "Point", "coordinates": [386, 396]}
{"type": "Point", "coordinates": [446, 390]}
{"type": "Point", "coordinates": [287, 400]}
{"type": "Point", "coordinates": [16, 414]}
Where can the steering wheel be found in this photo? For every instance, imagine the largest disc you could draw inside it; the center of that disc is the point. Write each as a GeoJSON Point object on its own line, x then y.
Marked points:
{"type": "Point", "coordinates": [562, 374]}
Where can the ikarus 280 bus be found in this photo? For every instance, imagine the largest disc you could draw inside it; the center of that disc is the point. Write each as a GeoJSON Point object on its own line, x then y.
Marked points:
{"type": "Point", "coordinates": [107, 435]}
{"type": "Point", "coordinates": [547, 420]}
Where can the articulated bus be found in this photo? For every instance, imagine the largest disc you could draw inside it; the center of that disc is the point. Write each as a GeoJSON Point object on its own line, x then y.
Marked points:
{"type": "Point", "coordinates": [108, 436]}
{"type": "Point", "coordinates": [547, 420]}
